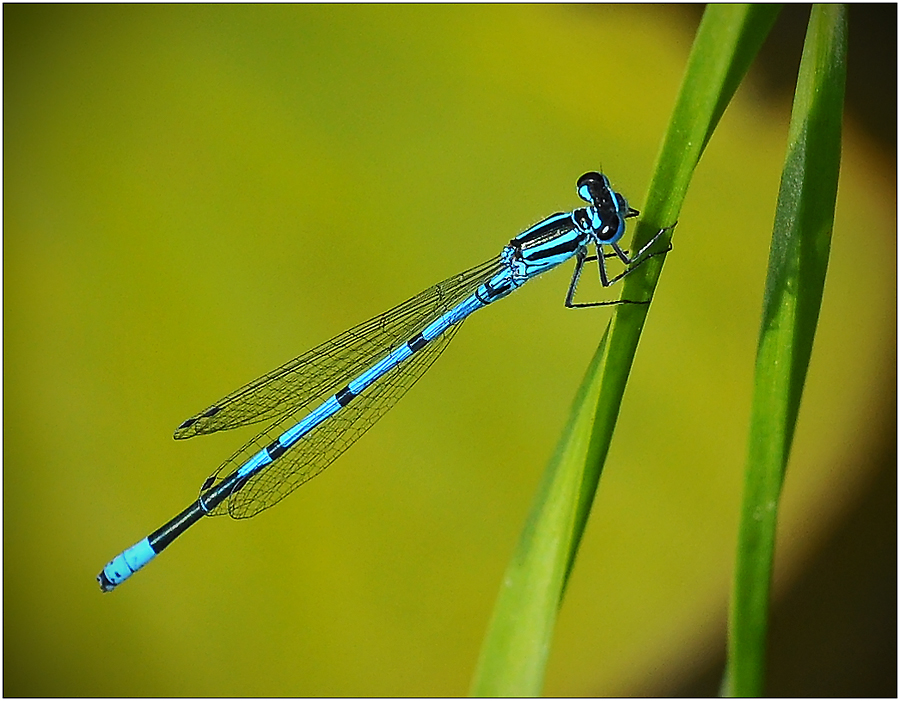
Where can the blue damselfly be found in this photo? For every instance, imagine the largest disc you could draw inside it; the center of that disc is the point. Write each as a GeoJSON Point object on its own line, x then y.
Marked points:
{"type": "Point", "coordinates": [355, 378]}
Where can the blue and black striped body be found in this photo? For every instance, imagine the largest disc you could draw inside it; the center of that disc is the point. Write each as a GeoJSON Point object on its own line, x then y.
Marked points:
{"type": "Point", "coordinates": [356, 377]}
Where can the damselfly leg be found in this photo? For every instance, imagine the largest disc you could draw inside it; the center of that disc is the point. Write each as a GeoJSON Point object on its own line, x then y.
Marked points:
{"type": "Point", "coordinates": [632, 263]}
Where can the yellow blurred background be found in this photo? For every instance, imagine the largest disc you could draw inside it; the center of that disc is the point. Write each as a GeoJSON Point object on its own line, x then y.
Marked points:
{"type": "Point", "coordinates": [195, 194]}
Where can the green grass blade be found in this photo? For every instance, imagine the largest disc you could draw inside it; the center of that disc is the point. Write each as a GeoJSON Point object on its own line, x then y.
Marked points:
{"type": "Point", "coordinates": [515, 650]}
{"type": "Point", "coordinates": [727, 41]}
{"type": "Point", "coordinates": [797, 264]}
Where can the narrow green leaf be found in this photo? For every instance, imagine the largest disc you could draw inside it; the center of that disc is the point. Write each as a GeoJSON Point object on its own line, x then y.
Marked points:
{"type": "Point", "coordinates": [797, 264]}
{"type": "Point", "coordinates": [514, 654]}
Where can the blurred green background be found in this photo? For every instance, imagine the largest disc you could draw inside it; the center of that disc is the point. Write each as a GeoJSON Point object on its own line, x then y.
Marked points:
{"type": "Point", "coordinates": [195, 194]}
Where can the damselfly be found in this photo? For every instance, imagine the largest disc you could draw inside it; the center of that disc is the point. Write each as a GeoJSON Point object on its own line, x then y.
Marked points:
{"type": "Point", "coordinates": [355, 378]}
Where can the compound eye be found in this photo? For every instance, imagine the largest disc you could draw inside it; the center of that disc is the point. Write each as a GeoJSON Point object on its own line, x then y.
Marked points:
{"type": "Point", "coordinates": [612, 229]}
{"type": "Point", "coordinates": [592, 186]}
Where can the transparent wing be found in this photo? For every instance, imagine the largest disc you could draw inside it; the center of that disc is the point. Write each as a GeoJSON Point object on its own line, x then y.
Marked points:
{"type": "Point", "coordinates": [325, 443]}
{"type": "Point", "coordinates": [328, 367]}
